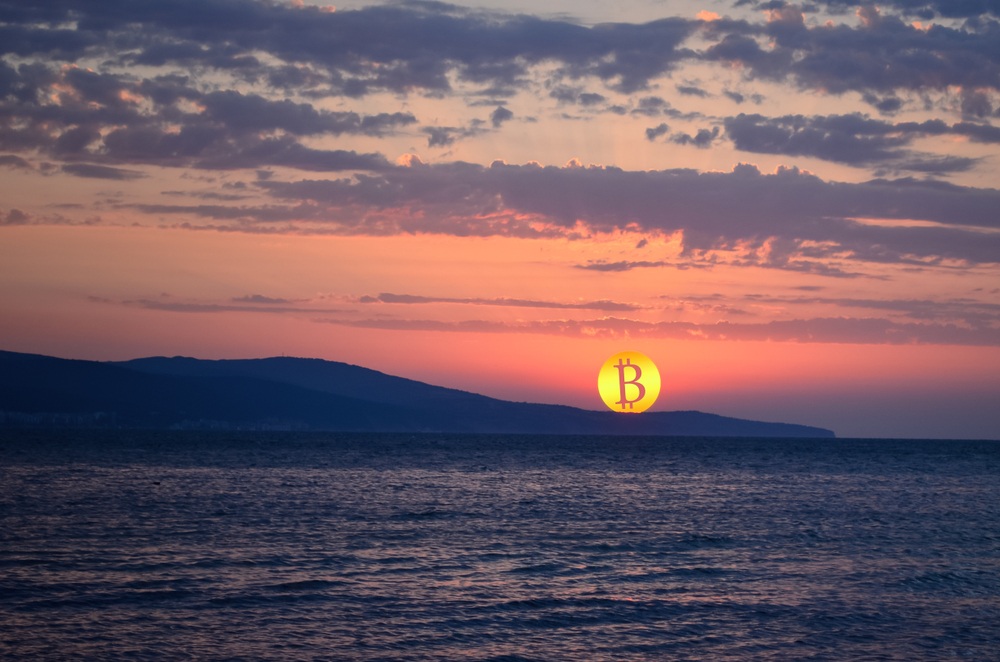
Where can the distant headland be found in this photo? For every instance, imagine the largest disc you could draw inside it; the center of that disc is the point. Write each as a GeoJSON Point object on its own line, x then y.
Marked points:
{"type": "Point", "coordinates": [306, 394]}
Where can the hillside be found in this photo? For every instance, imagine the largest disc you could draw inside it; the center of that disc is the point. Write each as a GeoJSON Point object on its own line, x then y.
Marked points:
{"type": "Point", "coordinates": [308, 394]}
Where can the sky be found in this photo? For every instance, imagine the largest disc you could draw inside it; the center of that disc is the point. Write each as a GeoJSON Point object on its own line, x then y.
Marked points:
{"type": "Point", "coordinates": [791, 208]}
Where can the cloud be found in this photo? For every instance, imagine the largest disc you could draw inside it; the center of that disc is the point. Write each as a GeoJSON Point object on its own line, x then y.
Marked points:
{"type": "Point", "coordinates": [623, 265]}
{"type": "Point", "coordinates": [740, 98]}
{"type": "Point", "coordinates": [291, 154]}
{"type": "Point", "coordinates": [789, 219]}
{"type": "Point", "coordinates": [263, 78]}
{"type": "Point", "coordinates": [92, 171]}
{"type": "Point", "coordinates": [377, 48]}
{"type": "Point", "coordinates": [261, 299]}
{"type": "Point", "coordinates": [970, 312]}
{"type": "Point", "coordinates": [924, 8]}
{"type": "Point", "coordinates": [15, 217]}
{"type": "Point", "coordinates": [785, 211]}
{"type": "Point", "coordinates": [853, 139]}
{"type": "Point", "coordinates": [702, 140]}
{"type": "Point", "coordinates": [568, 94]}
{"type": "Point", "coordinates": [241, 114]}
{"type": "Point", "coordinates": [651, 107]}
{"type": "Point", "coordinates": [825, 268]}
{"type": "Point", "coordinates": [112, 119]}
{"type": "Point", "coordinates": [382, 47]}
{"type": "Point", "coordinates": [247, 84]}
{"type": "Point", "coordinates": [500, 115]}
{"type": "Point", "coordinates": [655, 132]}
{"type": "Point", "coordinates": [14, 162]}
{"type": "Point", "coordinates": [692, 91]}
{"type": "Point", "coordinates": [445, 136]}
{"type": "Point", "coordinates": [608, 306]}
{"type": "Point", "coordinates": [201, 307]}
{"type": "Point", "coordinates": [846, 330]}
{"type": "Point", "coordinates": [883, 54]}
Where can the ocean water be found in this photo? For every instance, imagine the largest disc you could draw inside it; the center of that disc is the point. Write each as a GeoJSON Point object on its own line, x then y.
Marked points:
{"type": "Point", "coordinates": [256, 546]}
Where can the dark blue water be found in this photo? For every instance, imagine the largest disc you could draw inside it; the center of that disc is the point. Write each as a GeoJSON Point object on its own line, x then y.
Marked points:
{"type": "Point", "coordinates": [120, 545]}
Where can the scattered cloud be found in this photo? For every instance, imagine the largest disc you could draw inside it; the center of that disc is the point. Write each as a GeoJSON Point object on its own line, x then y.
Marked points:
{"type": "Point", "coordinates": [881, 55]}
{"type": "Point", "coordinates": [854, 139]}
{"type": "Point", "coordinates": [259, 75]}
{"type": "Point", "coordinates": [845, 330]}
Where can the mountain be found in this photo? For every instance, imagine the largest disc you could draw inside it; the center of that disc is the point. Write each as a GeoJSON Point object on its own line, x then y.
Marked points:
{"type": "Point", "coordinates": [295, 393]}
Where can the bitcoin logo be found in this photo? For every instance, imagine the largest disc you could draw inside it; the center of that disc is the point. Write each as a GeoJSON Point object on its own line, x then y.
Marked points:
{"type": "Point", "coordinates": [629, 382]}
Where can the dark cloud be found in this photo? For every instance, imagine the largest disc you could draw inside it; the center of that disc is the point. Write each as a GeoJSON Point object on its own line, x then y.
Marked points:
{"type": "Point", "coordinates": [251, 113]}
{"type": "Point", "coordinates": [887, 105]}
{"type": "Point", "coordinates": [441, 136]}
{"type": "Point", "coordinates": [385, 47]}
{"type": "Point", "coordinates": [207, 195]}
{"type": "Point", "coordinates": [651, 107]}
{"type": "Point", "coordinates": [591, 99]}
{"type": "Point", "coordinates": [500, 115]}
{"type": "Point", "coordinates": [565, 94]}
{"type": "Point", "coordinates": [923, 8]}
{"type": "Point", "coordinates": [111, 120]}
{"type": "Point", "coordinates": [19, 217]}
{"type": "Point", "coordinates": [853, 139]}
{"type": "Point", "coordinates": [95, 89]}
{"type": "Point", "coordinates": [92, 171]}
{"type": "Point", "coordinates": [657, 131]}
{"type": "Point", "coordinates": [703, 139]}
{"type": "Point", "coordinates": [291, 154]}
{"type": "Point", "coordinates": [14, 217]}
{"type": "Point", "coordinates": [692, 91]}
{"type": "Point", "coordinates": [880, 56]}
{"type": "Point", "coordinates": [14, 162]}
{"type": "Point", "coordinates": [208, 118]}
{"type": "Point", "coordinates": [713, 210]}
{"type": "Point", "coordinates": [354, 52]}
{"type": "Point", "coordinates": [445, 136]}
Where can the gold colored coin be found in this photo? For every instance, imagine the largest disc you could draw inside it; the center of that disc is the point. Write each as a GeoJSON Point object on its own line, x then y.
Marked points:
{"type": "Point", "coordinates": [629, 382]}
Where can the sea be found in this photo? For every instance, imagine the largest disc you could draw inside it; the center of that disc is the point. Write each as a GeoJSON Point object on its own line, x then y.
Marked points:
{"type": "Point", "coordinates": [145, 545]}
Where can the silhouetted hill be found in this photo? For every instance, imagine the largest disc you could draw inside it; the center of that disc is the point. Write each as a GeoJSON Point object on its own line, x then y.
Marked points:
{"type": "Point", "coordinates": [313, 394]}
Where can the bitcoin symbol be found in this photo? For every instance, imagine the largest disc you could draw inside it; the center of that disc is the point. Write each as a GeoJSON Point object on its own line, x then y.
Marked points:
{"type": "Point", "coordinates": [629, 382]}
{"type": "Point", "coordinates": [625, 382]}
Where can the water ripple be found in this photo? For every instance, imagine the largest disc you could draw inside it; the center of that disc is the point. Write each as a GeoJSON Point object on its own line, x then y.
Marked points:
{"type": "Point", "coordinates": [399, 547]}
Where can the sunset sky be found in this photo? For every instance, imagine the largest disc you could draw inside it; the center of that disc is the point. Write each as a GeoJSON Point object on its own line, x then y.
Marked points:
{"type": "Point", "coordinates": [793, 209]}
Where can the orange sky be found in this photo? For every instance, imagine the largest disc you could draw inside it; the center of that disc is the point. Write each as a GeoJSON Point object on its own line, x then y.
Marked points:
{"type": "Point", "coordinates": [794, 245]}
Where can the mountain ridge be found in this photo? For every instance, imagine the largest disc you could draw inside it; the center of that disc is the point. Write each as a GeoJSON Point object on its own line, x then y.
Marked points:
{"type": "Point", "coordinates": [307, 394]}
